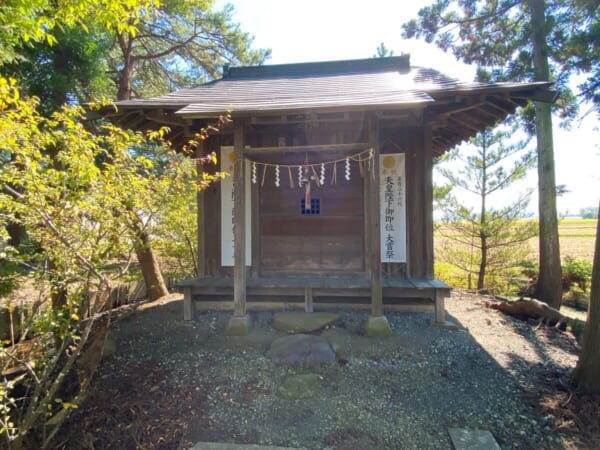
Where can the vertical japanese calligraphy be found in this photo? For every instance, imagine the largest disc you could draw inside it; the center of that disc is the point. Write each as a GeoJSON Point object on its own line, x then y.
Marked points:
{"type": "Point", "coordinates": [392, 207]}
{"type": "Point", "coordinates": [227, 209]}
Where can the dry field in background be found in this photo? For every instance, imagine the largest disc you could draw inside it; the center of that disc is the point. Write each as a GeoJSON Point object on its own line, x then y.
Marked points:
{"type": "Point", "coordinates": [577, 239]}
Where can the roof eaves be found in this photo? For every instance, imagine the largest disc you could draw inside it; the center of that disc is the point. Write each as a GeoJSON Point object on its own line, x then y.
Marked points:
{"type": "Point", "coordinates": [208, 110]}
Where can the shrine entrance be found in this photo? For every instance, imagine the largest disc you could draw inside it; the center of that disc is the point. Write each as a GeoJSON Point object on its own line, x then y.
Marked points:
{"type": "Point", "coordinates": [311, 222]}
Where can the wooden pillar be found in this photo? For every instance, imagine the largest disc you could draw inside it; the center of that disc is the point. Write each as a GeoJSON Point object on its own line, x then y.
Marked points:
{"type": "Point", "coordinates": [428, 202]}
{"type": "Point", "coordinates": [440, 310]}
{"type": "Point", "coordinates": [377, 324]}
{"type": "Point", "coordinates": [239, 324]}
{"type": "Point", "coordinates": [201, 216]}
{"type": "Point", "coordinates": [373, 225]}
{"type": "Point", "coordinates": [415, 206]}
{"type": "Point", "coordinates": [308, 299]}
{"type": "Point", "coordinates": [188, 304]}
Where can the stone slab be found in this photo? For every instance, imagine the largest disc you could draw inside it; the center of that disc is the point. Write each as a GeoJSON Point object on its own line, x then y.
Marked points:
{"type": "Point", "coordinates": [300, 386]}
{"type": "Point", "coordinates": [303, 322]}
{"type": "Point", "coordinates": [304, 350]}
{"type": "Point", "coordinates": [238, 326]}
{"type": "Point", "coordinates": [378, 326]}
{"type": "Point", "coordinates": [466, 439]}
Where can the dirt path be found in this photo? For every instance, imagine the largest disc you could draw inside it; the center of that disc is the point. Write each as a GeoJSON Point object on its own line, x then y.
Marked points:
{"type": "Point", "coordinates": [172, 383]}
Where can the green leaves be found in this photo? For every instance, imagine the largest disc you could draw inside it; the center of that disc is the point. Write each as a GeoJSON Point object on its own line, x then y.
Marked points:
{"type": "Point", "coordinates": [497, 37]}
{"type": "Point", "coordinates": [38, 20]}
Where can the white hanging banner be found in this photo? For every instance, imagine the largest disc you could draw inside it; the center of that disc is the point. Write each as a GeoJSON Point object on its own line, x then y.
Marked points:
{"type": "Point", "coordinates": [392, 207]}
{"type": "Point", "coordinates": [227, 207]}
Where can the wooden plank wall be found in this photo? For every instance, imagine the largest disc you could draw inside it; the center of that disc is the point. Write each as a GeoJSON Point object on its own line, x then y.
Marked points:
{"type": "Point", "coordinates": [331, 241]}
{"type": "Point", "coordinates": [347, 215]}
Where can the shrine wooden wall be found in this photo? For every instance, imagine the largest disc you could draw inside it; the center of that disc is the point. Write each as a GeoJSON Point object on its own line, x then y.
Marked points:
{"type": "Point", "coordinates": [328, 241]}
{"type": "Point", "coordinates": [334, 242]}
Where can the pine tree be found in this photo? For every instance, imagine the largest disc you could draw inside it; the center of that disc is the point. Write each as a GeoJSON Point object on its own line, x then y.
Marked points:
{"type": "Point", "coordinates": [488, 240]}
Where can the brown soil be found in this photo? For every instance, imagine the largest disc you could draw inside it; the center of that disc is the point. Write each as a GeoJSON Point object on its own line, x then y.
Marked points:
{"type": "Point", "coordinates": [173, 383]}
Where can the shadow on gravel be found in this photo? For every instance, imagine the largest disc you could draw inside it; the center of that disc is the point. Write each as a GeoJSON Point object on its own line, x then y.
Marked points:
{"type": "Point", "coordinates": [545, 386]}
{"type": "Point", "coordinates": [173, 383]}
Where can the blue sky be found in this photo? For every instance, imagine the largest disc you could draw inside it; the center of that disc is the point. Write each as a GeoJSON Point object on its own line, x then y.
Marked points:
{"type": "Point", "coordinates": [323, 30]}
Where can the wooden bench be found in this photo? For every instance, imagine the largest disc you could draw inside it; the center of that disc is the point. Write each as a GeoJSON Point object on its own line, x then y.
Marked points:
{"type": "Point", "coordinates": [434, 290]}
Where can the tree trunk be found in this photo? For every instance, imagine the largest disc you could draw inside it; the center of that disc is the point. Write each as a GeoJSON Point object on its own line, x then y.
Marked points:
{"type": "Point", "coordinates": [124, 75]}
{"type": "Point", "coordinates": [483, 217]}
{"type": "Point", "coordinates": [149, 266]}
{"type": "Point", "coordinates": [16, 231]}
{"type": "Point", "coordinates": [482, 264]}
{"type": "Point", "coordinates": [155, 284]}
{"type": "Point", "coordinates": [124, 83]}
{"type": "Point", "coordinates": [549, 284]}
{"type": "Point", "coordinates": [17, 234]}
{"type": "Point", "coordinates": [586, 375]}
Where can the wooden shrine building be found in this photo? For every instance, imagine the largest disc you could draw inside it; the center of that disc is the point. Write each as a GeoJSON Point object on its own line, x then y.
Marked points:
{"type": "Point", "coordinates": [330, 193]}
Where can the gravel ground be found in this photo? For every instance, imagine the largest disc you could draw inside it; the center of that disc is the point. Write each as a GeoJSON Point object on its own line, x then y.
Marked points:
{"type": "Point", "coordinates": [172, 383]}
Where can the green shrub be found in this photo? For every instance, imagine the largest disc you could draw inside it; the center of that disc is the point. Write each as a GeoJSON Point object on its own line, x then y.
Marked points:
{"type": "Point", "coordinates": [577, 299]}
{"type": "Point", "coordinates": [529, 269]}
{"type": "Point", "coordinates": [576, 271]}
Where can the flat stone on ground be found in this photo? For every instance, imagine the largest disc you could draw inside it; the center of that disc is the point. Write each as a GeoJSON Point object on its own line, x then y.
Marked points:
{"type": "Point", "coordinates": [465, 439]}
{"type": "Point", "coordinates": [238, 326]}
{"type": "Point", "coordinates": [303, 322]}
{"type": "Point", "coordinates": [300, 386]}
{"type": "Point", "coordinates": [378, 326]}
{"type": "Point", "coordinates": [305, 350]}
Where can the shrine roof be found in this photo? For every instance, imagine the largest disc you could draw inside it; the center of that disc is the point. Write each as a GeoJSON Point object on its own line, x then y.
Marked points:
{"type": "Point", "coordinates": [457, 109]}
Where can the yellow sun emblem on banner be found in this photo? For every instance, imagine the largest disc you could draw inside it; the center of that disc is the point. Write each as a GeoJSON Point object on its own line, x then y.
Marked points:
{"type": "Point", "coordinates": [389, 162]}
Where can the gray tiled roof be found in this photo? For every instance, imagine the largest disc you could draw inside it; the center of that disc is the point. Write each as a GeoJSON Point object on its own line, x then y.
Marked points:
{"type": "Point", "coordinates": [454, 109]}
{"type": "Point", "coordinates": [371, 83]}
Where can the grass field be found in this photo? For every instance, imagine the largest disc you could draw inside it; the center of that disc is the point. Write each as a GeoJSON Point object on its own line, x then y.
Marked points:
{"type": "Point", "coordinates": [576, 236]}
{"type": "Point", "coordinates": [577, 239]}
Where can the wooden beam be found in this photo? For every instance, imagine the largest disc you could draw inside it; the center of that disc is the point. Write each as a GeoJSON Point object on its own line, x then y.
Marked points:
{"type": "Point", "coordinates": [133, 123]}
{"type": "Point", "coordinates": [494, 116]}
{"type": "Point", "coordinates": [464, 124]}
{"type": "Point", "coordinates": [166, 119]}
{"type": "Point", "coordinates": [491, 101]}
{"type": "Point", "coordinates": [174, 135]}
{"type": "Point", "coordinates": [239, 215]}
{"type": "Point", "coordinates": [123, 118]}
{"type": "Point", "coordinates": [372, 229]}
{"type": "Point", "coordinates": [305, 148]}
{"type": "Point", "coordinates": [448, 110]}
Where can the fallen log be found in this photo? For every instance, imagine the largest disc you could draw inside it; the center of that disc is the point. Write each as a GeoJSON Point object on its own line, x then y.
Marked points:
{"type": "Point", "coordinates": [540, 311]}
